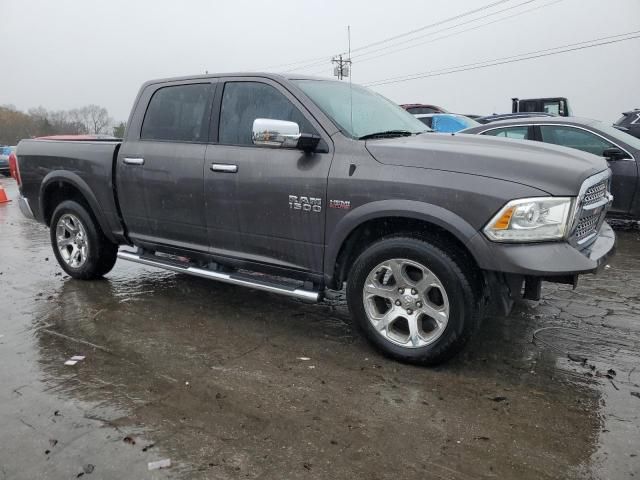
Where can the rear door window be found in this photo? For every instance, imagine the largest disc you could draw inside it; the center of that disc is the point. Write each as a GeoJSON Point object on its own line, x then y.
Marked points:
{"type": "Point", "coordinates": [551, 107]}
{"type": "Point", "coordinates": [178, 113]}
{"type": "Point", "coordinates": [574, 138]}
{"type": "Point", "coordinates": [519, 133]}
{"type": "Point", "coordinates": [243, 102]}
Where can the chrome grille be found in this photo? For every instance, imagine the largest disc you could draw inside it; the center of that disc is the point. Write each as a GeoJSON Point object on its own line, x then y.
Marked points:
{"type": "Point", "coordinates": [586, 226]}
{"type": "Point", "coordinates": [592, 206]}
{"type": "Point", "coordinates": [595, 193]}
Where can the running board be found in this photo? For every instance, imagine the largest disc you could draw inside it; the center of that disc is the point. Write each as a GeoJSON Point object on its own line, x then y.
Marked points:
{"type": "Point", "coordinates": [232, 278]}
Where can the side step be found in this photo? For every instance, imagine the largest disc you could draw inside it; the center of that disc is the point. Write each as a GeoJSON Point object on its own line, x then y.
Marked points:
{"type": "Point", "coordinates": [232, 278]}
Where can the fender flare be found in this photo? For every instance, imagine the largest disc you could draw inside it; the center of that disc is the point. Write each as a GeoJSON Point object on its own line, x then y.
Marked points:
{"type": "Point", "coordinates": [443, 218]}
{"type": "Point", "coordinates": [74, 180]}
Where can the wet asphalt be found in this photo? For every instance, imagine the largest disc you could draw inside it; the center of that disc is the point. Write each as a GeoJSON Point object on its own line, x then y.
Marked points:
{"type": "Point", "coordinates": [228, 382]}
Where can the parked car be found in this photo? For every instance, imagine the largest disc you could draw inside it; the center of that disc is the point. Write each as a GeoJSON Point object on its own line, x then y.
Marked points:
{"type": "Point", "coordinates": [417, 108]}
{"type": "Point", "coordinates": [252, 179]}
{"type": "Point", "coordinates": [13, 162]}
{"type": "Point", "coordinates": [497, 117]}
{"type": "Point", "coordinates": [629, 123]}
{"type": "Point", "coordinates": [446, 122]}
{"type": "Point", "coordinates": [4, 159]}
{"type": "Point", "coordinates": [621, 150]}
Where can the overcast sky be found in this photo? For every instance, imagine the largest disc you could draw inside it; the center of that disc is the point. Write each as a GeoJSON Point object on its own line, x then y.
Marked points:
{"type": "Point", "coordinates": [68, 53]}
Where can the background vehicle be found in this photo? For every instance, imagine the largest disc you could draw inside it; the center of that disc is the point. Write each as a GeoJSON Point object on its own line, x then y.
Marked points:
{"type": "Point", "coordinates": [620, 149]}
{"type": "Point", "coordinates": [250, 179]}
{"type": "Point", "coordinates": [417, 108]}
{"type": "Point", "coordinates": [4, 159]}
{"type": "Point", "coordinates": [497, 117]}
{"type": "Point", "coordinates": [629, 123]}
{"type": "Point", "coordinates": [555, 105]}
{"type": "Point", "coordinates": [13, 166]}
{"type": "Point", "coordinates": [446, 122]}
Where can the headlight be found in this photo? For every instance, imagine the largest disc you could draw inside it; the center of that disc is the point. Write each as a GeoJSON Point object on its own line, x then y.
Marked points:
{"type": "Point", "coordinates": [531, 220]}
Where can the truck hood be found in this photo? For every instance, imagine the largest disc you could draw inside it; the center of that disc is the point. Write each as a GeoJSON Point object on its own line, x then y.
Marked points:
{"type": "Point", "coordinates": [555, 170]}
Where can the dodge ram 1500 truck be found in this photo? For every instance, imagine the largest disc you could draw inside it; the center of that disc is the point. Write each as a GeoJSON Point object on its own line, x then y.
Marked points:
{"type": "Point", "coordinates": [297, 185]}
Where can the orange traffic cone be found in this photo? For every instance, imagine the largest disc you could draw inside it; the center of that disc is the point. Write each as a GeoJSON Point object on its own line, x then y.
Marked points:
{"type": "Point", "coordinates": [3, 195]}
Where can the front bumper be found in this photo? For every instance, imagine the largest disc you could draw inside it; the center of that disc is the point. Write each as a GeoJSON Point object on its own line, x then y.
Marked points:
{"type": "Point", "coordinates": [551, 259]}
{"type": "Point", "coordinates": [25, 208]}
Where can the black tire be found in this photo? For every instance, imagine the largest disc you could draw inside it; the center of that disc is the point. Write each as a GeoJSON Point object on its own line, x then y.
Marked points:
{"type": "Point", "coordinates": [457, 278]}
{"type": "Point", "coordinates": [101, 253]}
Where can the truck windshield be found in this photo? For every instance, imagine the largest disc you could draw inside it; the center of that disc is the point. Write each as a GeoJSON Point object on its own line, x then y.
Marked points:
{"type": "Point", "coordinates": [372, 114]}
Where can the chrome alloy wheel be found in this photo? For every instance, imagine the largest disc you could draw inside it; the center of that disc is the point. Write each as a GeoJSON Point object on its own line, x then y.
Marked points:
{"type": "Point", "coordinates": [71, 238]}
{"type": "Point", "coordinates": [406, 303]}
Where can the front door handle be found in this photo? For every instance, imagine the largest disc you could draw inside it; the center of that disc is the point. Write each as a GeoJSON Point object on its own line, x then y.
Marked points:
{"type": "Point", "coordinates": [224, 167]}
{"type": "Point", "coordinates": [133, 161]}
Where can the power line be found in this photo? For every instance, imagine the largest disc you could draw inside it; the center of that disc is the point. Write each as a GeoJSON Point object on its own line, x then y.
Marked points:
{"type": "Point", "coordinates": [308, 60]}
{"type": "Point", "coordinates": [455, 33]}
{"type": "Point", "coordinates": [506, 60]}
{"type": "Point", "coordinates": [431, 25]}
{"type": "Point", "coordinates": [304, 64]}
{"type": "Point", "coordinates": [314, 64]}
{"type": "Point", "coordinates": [512, 56]}
{"type": "Point", "coordinates": [310, 65]}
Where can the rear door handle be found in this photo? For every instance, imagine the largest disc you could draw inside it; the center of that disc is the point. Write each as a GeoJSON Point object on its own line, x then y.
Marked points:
{"type": "Point", "coordinates": [133, 161]}
{"type": "Point", "coordinates": [224, 168]}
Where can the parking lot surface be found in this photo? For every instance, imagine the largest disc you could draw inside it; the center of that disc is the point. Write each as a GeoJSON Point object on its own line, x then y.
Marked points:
{"type": "Point", "coordinates": [228, 382]}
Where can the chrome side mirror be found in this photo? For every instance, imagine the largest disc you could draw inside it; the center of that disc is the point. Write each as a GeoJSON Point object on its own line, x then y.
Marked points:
{"type": "Point", "coordinates": [268, 132]}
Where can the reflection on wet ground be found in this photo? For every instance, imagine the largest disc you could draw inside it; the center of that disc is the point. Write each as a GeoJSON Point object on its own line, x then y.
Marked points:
{"type": "Point", "coordinates": [231, 383]}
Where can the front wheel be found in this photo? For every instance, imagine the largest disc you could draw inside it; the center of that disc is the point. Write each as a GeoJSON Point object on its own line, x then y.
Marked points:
{"type": "Point", "coordinates": [80, 247]}
{"type": "Point", "coordinates": [412, 300]}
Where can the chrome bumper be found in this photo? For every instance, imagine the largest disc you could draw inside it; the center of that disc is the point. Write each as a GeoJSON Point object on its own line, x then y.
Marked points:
{"type": "Point", "coordinates": [23, 203]}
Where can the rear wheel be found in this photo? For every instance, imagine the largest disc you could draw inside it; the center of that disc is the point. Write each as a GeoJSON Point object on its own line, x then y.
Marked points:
{"type": "Point", "coordinates": [80, 246]}
{"type": "Point", "coordinates": [412, 300]}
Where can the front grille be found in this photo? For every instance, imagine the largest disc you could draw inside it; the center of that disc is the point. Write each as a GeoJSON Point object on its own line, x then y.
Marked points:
{"type": "Point", "coordinates": [595, 193]}
{"type": "Point", "coordinates": [586, 226]}
{"type": "Point", "coordinates": [592, 207]}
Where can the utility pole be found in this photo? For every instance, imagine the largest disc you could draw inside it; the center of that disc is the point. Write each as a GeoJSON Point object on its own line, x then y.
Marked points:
{"type": "Point", "coordinates": [342, 67]}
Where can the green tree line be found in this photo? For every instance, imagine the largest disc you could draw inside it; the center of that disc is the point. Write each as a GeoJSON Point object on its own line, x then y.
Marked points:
{"type": "Point", "coordinates": [38, 122]}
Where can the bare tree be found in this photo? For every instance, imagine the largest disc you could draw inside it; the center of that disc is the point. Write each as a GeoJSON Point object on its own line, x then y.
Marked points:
{"type": "Point", "coordinates": [37, 122]}
{"type": "Point", "coordinates": [98, 118]}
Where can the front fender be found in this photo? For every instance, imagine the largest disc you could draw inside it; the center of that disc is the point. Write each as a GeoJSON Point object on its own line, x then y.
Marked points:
{"type": "Point", "coordinates": [412, 209]}
{"type": "Point", "coordinates": [76, 181]}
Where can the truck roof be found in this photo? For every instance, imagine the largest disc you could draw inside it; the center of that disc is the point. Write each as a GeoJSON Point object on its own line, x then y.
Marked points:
{"type": "Point", "coordinates": [271, 75]}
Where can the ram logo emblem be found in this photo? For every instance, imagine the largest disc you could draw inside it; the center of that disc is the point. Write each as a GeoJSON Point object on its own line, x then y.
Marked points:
{"type": "Point", "coordinates": [306, 204]}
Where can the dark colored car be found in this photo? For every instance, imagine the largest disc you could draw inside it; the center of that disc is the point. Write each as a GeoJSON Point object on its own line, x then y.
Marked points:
{"type": "Point", "coordinates": [629, 123]}
{"type": "Point", "coordinates": [294, 185]}
{"type": "Point", "coordinates": [497, 117]}
{"type": "Point", "coordinates": [621, 150]}
{"type": "Point", "coordinates": [417, 108]}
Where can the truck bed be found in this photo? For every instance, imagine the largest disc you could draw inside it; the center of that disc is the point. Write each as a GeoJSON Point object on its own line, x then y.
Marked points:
{"type": "Point", "coordinates": [87, 164]}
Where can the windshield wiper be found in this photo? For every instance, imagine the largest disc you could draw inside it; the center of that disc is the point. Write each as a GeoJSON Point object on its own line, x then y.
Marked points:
{"type": "Point", "coordinates": [387, 134]}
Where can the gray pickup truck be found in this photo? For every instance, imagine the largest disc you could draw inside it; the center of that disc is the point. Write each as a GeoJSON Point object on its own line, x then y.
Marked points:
{"type": "Point", "coordinates": [297, 185]}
